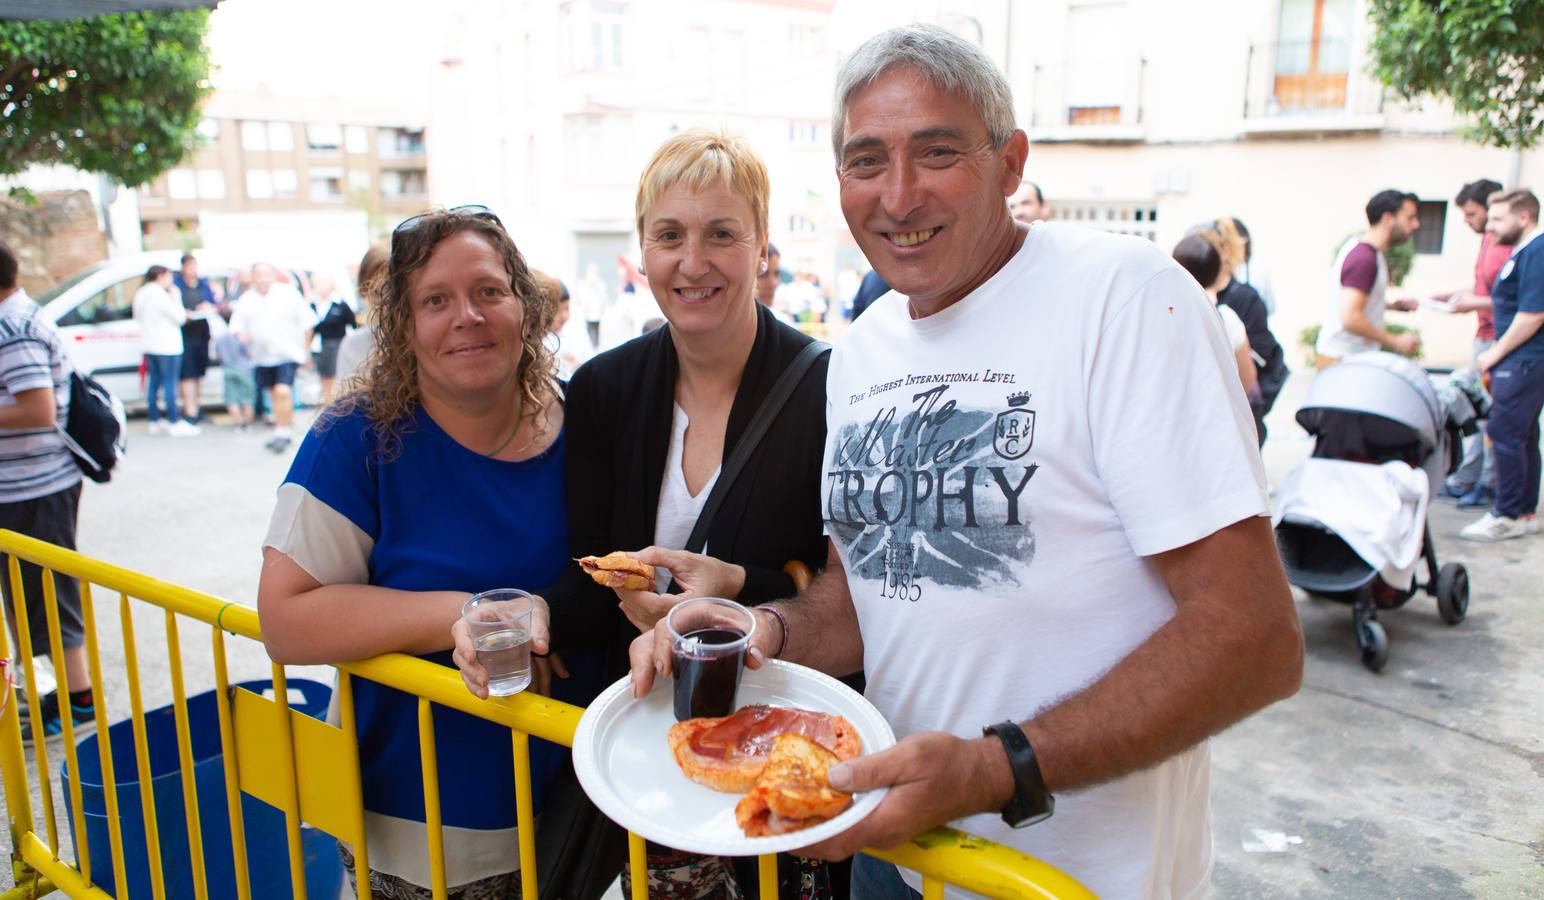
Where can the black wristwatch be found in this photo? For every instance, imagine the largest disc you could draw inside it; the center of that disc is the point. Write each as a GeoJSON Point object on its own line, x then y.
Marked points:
{"type": "Point", "coordinates": [1031, 802]}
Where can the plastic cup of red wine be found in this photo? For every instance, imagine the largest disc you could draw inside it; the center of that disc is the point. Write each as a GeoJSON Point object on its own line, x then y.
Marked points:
{"type": "Point", "coordinates": [708, 640]}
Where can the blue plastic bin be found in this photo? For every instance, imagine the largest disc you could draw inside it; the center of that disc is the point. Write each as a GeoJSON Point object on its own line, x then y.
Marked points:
{"type": "Point", "coordinates": [267, 847]}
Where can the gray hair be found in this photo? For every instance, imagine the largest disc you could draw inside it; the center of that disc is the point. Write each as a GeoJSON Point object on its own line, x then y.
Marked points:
{"type": "Point", "coordinates": [943, 59]}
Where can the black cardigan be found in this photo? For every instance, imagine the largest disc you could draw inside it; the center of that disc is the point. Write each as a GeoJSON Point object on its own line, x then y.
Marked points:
{"type": "Point", "coordinates": [618, 416]}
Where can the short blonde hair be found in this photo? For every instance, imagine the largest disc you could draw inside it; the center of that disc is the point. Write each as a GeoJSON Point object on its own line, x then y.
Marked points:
{"type": "Point", "coordinates": [699, 158]}
{"type": "Point", "coordinates": [1223, 235]}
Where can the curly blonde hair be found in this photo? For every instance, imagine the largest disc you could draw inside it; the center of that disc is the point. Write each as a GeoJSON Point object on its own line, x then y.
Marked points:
{"type": "Point", "coordinates": [386, 387]}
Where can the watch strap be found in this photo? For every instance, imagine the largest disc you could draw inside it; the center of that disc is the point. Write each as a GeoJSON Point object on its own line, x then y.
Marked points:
{"type": "Point", "coordinates": [1031, 801]}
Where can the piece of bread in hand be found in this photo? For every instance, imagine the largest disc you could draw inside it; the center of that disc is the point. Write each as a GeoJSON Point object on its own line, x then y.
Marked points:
{"type": "Point", "coordinates": [794, 790]}
{"type": "Point", "coordinates": [618, 570]}
{"type": "Point", "coordinates": [727, 754]}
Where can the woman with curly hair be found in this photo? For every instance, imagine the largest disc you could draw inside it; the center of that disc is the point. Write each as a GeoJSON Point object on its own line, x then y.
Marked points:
{"type": "Point", "coordinates": [438, 474]}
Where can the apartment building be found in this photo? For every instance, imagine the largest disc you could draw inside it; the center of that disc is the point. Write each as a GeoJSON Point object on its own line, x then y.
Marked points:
{"type": "Point", "coordinates": [1150, 117]}
{"type": "Point", "coordinates": [553, 108]}
{"type": "Point", "coordinates": [309, 178]}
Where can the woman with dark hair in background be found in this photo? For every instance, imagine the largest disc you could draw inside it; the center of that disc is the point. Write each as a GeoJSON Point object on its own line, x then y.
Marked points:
{"type": "Point", "coordinates": [357, 344]}
{"type": "Point", "coordinates": [1200, 258]}
{"type": "Point", "coordinates": [336, 318]}
{"type": "Point", "coordinates": [1270, 358]}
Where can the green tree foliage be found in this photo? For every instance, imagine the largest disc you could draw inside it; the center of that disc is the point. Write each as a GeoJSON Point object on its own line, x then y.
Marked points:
{"type": "Point", "coordinates": [1484, 56]}
{"type": "Point", "coordinates": [117, 94]}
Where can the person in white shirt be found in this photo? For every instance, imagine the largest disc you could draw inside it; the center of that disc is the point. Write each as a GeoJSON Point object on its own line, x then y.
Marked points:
{"type": "Point", "coordinates": [275, 321]}
{"type": "Point", "coordinates": [590, 298]}
{"type": "Point", "coordinates": [160, 317]}
{"type": "Point", "coordinates": [1051, 551]}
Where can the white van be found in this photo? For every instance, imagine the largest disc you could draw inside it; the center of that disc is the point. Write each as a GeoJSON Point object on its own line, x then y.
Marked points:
{"type": "Point", "coordinates": [94, 312]}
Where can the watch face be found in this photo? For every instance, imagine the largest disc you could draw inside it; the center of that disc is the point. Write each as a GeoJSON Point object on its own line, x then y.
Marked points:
{"type": "Point", "coordinates": [1033, 819]}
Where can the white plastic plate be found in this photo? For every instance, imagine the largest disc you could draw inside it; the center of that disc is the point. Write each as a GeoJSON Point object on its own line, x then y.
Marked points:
{"type": "Point", "coordinates": [623, 760]}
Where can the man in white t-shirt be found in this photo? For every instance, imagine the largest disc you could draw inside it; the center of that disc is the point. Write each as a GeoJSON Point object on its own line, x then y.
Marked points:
{"type": "Point", "coordinates": [275, 323]}
{"type": "Point", "coordinates": [1047, 514]}
{"type": "Point", "coordinates": [1361, 279]}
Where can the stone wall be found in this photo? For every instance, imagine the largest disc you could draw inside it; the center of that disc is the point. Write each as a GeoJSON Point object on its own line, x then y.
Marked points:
{"type": "Point", "coordinates": [54, 238]}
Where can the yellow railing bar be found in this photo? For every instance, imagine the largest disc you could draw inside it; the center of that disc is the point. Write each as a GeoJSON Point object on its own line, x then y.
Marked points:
{"type": "Point", "coordinates": [67, 722]}
{"type": "Point", "coordinates": [297, 857]}
{"type": "Point", "coordinates": [13, 759]}
{"type": "Point", "coordinates": [766, 867]}
{"type": "Point", "coordinates": [347, 723]}
{"type": "Point", "coordinates": [222, 687]}
{"type": "Point", "coordinates": [36, 886]}
{"type": "Point", "coordinates": [141, 749]}
{"type": "Point", "coordinates": [525, 814]}
{"type": "Point", "coordinates": [104, 738]}
{"type": "Point", "coordinates": [185, 755]}
{"type": "Point", "coordinates": [979, 865]}
{"type": "Point", "coordinates": [34, 700]}
{"type": "Point", "coordinates": [972, 863]}
{"type": "Point", "coordinates": [60, 875]}
{"type": "Point", "coordinates": [433, 821]}
{"type": "Point", "coordinates": [932, 888]}
{"type": "Point", "coordinates": [638, 864]}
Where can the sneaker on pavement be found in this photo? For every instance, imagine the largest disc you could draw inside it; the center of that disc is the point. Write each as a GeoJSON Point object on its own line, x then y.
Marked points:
{"type": "Point", "coordinates": [1449, 491]}
{"type": "Point", "coordinates": [1531, 523]}
{"type": "Point", "coordinates": [1491, 527]}
{"type": "Point", "coordinates": [278, 444]}
{"type": "Point", "coordinates": [157, 427]}
{"type": "Point", "coordinates": [182, 429]}
{"type": "Point", "coordinates": [83, 718]}
{"type": "Point", "coordinates": [1480, 496]}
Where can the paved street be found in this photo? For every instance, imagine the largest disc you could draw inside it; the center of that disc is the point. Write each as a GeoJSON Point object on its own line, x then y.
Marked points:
{"type": "Point", "coordinates": [1426, 781]}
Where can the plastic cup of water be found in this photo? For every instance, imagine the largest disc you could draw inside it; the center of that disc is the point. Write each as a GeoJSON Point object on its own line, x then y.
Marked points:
{"type": "Point", "coordinates": [500, 623]}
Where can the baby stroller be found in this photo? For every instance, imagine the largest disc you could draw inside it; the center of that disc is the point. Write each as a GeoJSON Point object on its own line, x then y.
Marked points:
{"type": "Point", "coordinates": [1370, 410]}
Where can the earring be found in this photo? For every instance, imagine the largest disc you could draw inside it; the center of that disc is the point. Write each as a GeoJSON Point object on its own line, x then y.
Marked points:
{"type": "Point", "coordinates": [763, 269]}
{"type": "Point", "coordinates": [642, 272]}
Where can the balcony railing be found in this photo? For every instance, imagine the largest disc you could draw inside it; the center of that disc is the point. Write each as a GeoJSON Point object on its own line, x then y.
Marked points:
{"type": "Point", "coordinates": [1309, 81]}
{"type": "Point", "coordinates": [1076, 98]}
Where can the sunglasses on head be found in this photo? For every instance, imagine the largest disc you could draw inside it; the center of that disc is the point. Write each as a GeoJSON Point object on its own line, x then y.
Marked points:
{"type": "Point", "coordinates": [471, 210]}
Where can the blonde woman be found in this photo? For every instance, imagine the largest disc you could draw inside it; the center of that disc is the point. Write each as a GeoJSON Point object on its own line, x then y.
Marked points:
{"type": "Point", "coordinates": [1269, 358]}
{"type": "Point", "coordinates": [650, 425]}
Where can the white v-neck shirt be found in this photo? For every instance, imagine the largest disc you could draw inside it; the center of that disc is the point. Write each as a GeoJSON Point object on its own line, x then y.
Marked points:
{"type": "Point", "coordinates": [678, 508]}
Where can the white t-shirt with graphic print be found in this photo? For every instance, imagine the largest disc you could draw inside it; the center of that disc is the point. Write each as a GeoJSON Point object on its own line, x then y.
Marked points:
{"type": "Point", "coordinates": [995, 474]}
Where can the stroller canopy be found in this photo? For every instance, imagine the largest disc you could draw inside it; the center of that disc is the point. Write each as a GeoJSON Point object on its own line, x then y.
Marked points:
{"type": "Point", "coordinates": [1379, 384]}
{"type": "Point", "coordinates": [1373, 403]}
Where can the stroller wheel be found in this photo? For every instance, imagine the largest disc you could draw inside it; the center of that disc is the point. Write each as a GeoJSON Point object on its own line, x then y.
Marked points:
{"type": "Point", "coordinates": [1374, 644]}
{"type": "Point", "coordinates": [1453, 593]}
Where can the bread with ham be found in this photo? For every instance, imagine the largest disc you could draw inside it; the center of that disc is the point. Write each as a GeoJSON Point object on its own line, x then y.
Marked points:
{"type": "Point", "coordinates": [728, 754]}
{"type": "Point", "coordinates": [618, 570]}
{"type": "Point", "coordinates": [794, 790]}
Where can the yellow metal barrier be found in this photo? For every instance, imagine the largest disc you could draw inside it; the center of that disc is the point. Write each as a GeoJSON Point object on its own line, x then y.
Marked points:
{"type": "Point", "coordinates": [310, 769]}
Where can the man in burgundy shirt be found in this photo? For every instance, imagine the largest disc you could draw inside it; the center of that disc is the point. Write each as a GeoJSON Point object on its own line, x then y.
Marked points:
{"type": "Point", "coordinates": [1473, 483]}
{"type": "Point", "coordinates": [1355, 321]}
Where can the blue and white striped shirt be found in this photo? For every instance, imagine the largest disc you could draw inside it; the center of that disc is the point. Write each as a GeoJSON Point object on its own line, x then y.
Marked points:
{"type": "Point", "coordinates": [34, 462]}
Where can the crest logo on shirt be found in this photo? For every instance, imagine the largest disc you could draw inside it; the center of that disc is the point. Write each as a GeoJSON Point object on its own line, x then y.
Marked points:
{"type": "Point", "coordinates": [1506, 270]}
{"type": "Point", "coordinates": [1015, 430]}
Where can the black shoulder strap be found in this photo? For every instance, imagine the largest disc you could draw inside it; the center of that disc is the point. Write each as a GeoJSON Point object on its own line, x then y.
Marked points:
{"type": "Point", "coordinates": [775, 400]}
